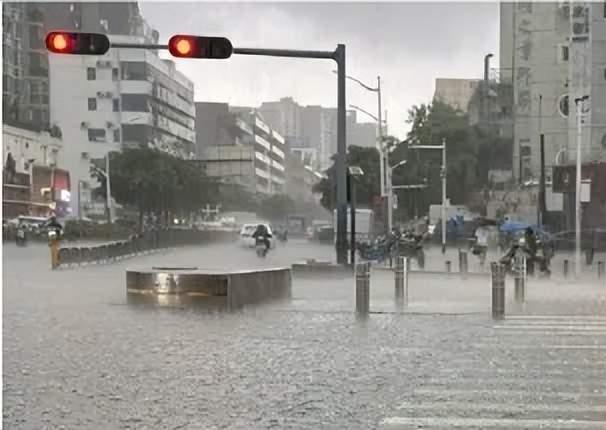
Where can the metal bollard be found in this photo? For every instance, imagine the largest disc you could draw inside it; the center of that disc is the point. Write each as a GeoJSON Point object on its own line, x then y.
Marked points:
{"type": "Point", "coordinates": [448, 266]}
{"type": "Point", "coordinates": [463, 267]}
{"type": "Point", "coordinates": [401, 280]}
{"type": "Point", "coordinates": [589, 254]}
{"type": "Point", "coordinates": [600, 269]}
{"type": "Point", "coordinates": [363, 288]}
{"type": "Point", "coordinates": [520, 278]}
{"type": "Point", "coordinates": [498, 290]}
{"type": "Point", "coordinates": [566, 268]}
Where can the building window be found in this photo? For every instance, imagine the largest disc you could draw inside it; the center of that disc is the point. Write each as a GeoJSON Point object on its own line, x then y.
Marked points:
{"type": "Point", "coordinates": [91, 73]}
{"type": "Point", "coordinates": [117, 136]}
{"type": "Point", "coordinates": [135, 102]}
{"type": "Point", "coordinates": [115, 74]}
{"type": "Point", "coordinates": [563, 54]}
{"type": "Point", "coordinates": [604, 73]}
{"type": "Point", "coordinates": [92, 104]}
{"type": "Point", "coordinates": [116, 105]}
{"type": "Point", "coordinates": [96, 134]}
{"type": "Point", "coordinates": [133, 70]}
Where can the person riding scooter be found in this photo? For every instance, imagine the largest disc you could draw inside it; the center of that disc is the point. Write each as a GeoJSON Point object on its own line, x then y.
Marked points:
{"type": "Point", "coordinates": [53, 225]}
{"type": "Point", "coordinates": [21, 237]}
{"type": "Point", "coordinates": [262, 234]}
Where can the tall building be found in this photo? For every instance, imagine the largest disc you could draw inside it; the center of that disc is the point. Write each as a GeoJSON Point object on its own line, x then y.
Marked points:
{"type": "Point", "coordinates": [25, 60]}
{"type": "Point", "coordinates": [284, 116]}
{"type": "Point", "coordinates": [125, 97]}
{"type": "Point", "coordinates": [554, 53]}
{"type": "Point", "coordinates": [456, 93]}
{"type": "Point", "coordinates": [25, 67]}
{"type": "Point", "coordinates": [239, 148]}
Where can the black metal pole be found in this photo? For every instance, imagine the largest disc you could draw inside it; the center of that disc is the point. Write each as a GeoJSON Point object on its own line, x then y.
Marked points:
{"type": "Point", "coordinates": [542, 202]}
{"type": "Point", "coordinates": [352, 205]}
{"type": "Point", "coordinates": [340, 161]}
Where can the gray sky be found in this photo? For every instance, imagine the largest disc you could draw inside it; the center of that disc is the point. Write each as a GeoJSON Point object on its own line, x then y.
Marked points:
{"type": "Point", "coordinates": [408, 44]}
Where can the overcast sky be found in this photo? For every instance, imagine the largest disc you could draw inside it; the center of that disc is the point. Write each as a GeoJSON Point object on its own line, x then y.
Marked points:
{"type": "Point", "coordinates": [408, 44]}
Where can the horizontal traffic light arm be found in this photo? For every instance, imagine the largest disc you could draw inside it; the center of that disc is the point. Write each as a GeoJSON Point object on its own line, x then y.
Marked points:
{"type": "Point", "coordinates": [138, 45]}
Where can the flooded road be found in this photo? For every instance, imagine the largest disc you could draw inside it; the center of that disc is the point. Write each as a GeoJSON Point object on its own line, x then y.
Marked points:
{"type": "Point", "coordinates": [76, 356]}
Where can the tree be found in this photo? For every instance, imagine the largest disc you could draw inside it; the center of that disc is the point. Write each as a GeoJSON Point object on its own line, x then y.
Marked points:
{"type": "Point", "coordinates": [155, 182]}
{"type": "Point", "coordinates": [471, 151]}
{"type": "Point", "coordinates": [367, 186]}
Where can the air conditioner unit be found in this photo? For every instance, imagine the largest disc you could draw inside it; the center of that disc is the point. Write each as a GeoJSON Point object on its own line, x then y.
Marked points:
{"type": "Point", "coordinates": [84, 124]}
{"type": "Point", "coordinates": [102, 63]}
{"type": "Point", "coordinates": [85, 155]}
{"type": "Point", "coordinates": [108, 94]}
{"type": "Point", "coordinates": [100, 94]}
{"type": "Point", "coordinates": [110, 124]}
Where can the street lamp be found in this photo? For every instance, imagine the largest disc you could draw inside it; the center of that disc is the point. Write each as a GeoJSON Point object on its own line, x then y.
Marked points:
{"type": "Point", "coordinates": [580, 104]}
{"type": "Point", "coordinates": [441, 147]}
{"type": "Point", "coordinates": [353, 172]}
{"type": "Point", "coordinates": [378, 119]}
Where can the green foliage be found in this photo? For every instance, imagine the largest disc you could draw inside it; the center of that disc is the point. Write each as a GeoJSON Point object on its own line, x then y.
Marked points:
{"type": "Point", "coordinates": [156, 182]}
{"type": "Point", "coordinates": [367, 186]}
{"type": "Point", "coordinates": [471, 152]}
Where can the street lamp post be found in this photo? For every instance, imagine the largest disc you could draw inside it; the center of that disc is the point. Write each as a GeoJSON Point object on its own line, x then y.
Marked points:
{"type": "Point", "coordinates": [379, 120]}
{"type": "Point", "coordinates": [108, 190]}
{"type": "Point", "coordinates": [580, 102]}
{"type": "Point", "coordinates": [442, 147]}
{"type": "Point", "coordinates": [353, 172]}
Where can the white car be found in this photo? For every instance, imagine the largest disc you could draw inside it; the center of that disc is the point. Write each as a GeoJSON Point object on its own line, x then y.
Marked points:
{"type": "Point", "coordinates": [247, 231]}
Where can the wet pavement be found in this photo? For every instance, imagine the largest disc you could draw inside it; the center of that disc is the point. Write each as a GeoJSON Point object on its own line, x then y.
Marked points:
{"type": "Point", "coordinates": [77, 356]}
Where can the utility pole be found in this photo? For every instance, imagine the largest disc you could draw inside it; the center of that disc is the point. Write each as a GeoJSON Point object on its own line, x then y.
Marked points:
{"type": "Point", "coordinates": [108, 190]}
{"type": "Point", "coordinates": [443, 174]}
{"type": "Point", "coordinates": [580, 101]}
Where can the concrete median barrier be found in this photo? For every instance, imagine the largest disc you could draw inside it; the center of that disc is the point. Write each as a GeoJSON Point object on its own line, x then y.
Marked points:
{"type": "Point", "coordinates": [312, 268]}
{"type": "Point", "coordinates": [224, 289]}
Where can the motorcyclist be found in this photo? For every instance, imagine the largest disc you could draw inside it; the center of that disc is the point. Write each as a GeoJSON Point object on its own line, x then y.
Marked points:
{"type": "Point", "coordinates": [261, 233]}
{"type": "Point", "coordinates": [21, 232]}
{"type": "Point", "coordinates": [53, 224]}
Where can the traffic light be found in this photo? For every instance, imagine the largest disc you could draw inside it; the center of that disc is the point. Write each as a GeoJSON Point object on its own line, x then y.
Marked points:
{"type": "Point", "coordinates": [61, 42]}
{"type": "Point", "coordinates": [185, 46]}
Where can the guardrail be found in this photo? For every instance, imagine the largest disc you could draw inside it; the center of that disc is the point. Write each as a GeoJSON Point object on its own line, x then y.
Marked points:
{"type": "Point", "coordinates": [138, 245]}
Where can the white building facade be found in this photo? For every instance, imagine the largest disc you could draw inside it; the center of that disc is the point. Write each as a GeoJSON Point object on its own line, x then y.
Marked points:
{"type": "Point", "coordinates": [29, 147]}
{"type": "Point", "coordinates": [554, 53]}
{"type": "Point", "coordinates": [255, 160]}
{"type": "Point", "coordinates": [127, 97]}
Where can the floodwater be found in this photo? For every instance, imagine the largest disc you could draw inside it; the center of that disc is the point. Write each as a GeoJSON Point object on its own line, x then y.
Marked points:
{"type": "Point", "coordinates": [76, 356]}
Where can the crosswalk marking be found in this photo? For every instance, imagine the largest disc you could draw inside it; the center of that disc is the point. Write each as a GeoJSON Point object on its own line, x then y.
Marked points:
{"type": "Point", "coordinates": [501, 407]}
{"type": "Point", "coordinates": [539, 346]}
{"type": "Point", "coordinates": [565, 396]}
{"type": "Point", "coordinates": [552, 376]}
{"type": "Point", "coordinates": [484, 423]}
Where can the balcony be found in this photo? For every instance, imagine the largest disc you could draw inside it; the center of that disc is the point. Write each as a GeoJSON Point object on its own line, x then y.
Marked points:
{"type": "Point", "coordinates": [135, 87]}
{"type": "Point", "coordinates": [139, 118]}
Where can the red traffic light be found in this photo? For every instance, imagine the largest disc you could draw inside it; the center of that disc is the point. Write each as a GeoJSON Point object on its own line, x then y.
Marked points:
{"type": "Point", "coordinates": [61, 42]}
{"type": "Point", "coordinates": [185, 46]}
